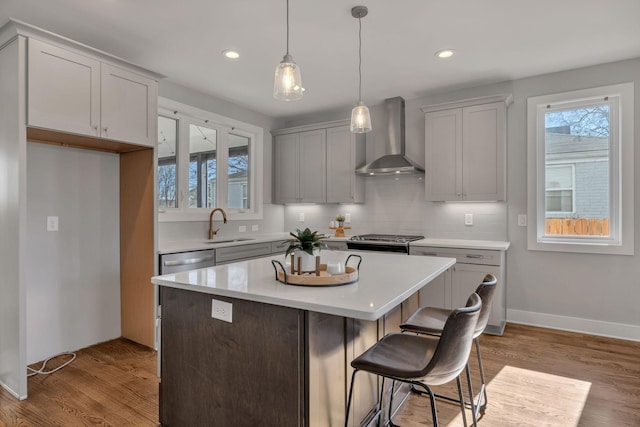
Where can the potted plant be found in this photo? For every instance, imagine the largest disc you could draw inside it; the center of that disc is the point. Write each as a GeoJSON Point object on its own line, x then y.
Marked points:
{"type": "Point", "coordinates": [305, 244]}
{"type": "Point", "coordinates": [340, 220]}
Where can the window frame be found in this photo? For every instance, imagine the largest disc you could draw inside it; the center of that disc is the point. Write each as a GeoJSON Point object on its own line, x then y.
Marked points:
{"type": "Point", "coordinates": [621, 174]}
{"type": "Point", "coordinates": [186, 115]}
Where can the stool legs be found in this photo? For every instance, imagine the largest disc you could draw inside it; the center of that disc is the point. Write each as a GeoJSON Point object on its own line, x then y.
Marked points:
{"type": "Point", "coordinates": [482, 396]}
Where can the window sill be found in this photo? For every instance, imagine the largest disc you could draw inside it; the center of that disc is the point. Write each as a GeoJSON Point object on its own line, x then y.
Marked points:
{"type": "Point", "coordinates": [577, 247]}
{"type": "Point", "coordinates": [199, 215]}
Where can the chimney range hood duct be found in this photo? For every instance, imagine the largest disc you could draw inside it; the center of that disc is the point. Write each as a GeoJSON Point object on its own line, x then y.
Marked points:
{"type": "Point", "coordinates": [394, 162]}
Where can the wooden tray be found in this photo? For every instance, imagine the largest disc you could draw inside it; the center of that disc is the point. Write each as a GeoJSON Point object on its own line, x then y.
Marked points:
{"type": "Point", "coordinates": [350, 275]}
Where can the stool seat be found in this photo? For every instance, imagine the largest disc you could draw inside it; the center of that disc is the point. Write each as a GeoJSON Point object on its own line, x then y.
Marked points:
{"type": "Point", "coordinates": [426, 320]}
{"type": "Point", "coordinates": [398, 355]}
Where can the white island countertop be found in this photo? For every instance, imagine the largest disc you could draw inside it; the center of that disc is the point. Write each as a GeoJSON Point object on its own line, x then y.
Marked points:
{"type": "Point", "coordinates": [385, 281]}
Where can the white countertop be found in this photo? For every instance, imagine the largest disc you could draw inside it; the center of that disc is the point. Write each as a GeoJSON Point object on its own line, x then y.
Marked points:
{"type": "Point", "coordinates": [495, 245]}
{"type": "Point", "coordinates": [199, 244]}
{"type": "Point", "coordinates": [385, 281]}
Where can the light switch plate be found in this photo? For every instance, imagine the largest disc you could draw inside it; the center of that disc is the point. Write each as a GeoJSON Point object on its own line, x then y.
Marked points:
{"type": "Point", "coordinates": [242, 228]}
{"type": "Point", "coordinates": [52, 223]}
{"type": "Point", "coordinates": [522, 220]}
{"type": "Point", "coordinates": [347, 218]}
{"type": "Point", "coordinates": [301, 217]}
{"type": "Point", "coordinates": [222, 310]}
{"type": "Point", "coordinates": [255, 227]}
{"type": "Point", "coordinates": [468, 219]}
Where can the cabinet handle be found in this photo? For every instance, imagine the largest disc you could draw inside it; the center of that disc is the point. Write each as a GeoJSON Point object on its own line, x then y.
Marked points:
{"type": "Point", "coordinates": [173, 263]}
{"type": "Point", "coordinates": [475, 256]}
{"type": "Point", "coordinates": [429, 253]}
{"type": "Point", "coordinates": [105, 129]}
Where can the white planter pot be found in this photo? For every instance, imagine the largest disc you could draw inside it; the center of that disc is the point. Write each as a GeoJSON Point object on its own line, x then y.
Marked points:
{"type": "Point", "coordinates": [308, 261]}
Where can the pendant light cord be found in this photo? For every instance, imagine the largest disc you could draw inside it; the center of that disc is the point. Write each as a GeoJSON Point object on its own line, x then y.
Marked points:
{"type": "Point", "coordinates": [287, 27]}
{"type": "Point", "coordinates": [359, 59]}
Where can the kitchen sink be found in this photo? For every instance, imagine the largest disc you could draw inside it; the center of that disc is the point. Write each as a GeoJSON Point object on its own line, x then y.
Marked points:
{"type": "Point", "coordinates": [240, 239]}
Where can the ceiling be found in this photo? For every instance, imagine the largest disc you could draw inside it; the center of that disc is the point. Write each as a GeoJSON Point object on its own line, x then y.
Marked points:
{"type": "Point", "coordinates": [494, 40]}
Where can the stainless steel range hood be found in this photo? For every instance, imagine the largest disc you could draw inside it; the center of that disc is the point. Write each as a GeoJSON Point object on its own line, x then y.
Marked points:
{"type": "Point", "coordinates": [394, 162]}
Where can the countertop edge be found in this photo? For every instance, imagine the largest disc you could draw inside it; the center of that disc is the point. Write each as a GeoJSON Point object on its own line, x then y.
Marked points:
{"type": "Point", "coordinates": [202, 244]}
{"type": "Point", "coordinates": [495, 245]}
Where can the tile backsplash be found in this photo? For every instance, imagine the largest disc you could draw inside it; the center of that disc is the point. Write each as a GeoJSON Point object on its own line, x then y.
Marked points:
{"type": "Point", "coordinates": [397, 205]}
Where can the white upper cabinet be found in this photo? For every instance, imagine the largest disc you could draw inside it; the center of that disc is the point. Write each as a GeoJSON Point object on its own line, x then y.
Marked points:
{"type": "Point", "coordinates": [344, 155]}
{"type": "Point", "coordinates": [129, 106]}
{"type": "Point", "coordinates": [64, 90]}
{"type": "Point", "coordinates": [74, 93]}
{"type": "Point", "coordinates": [465, 151]}
{"type": "Point", "coordinates": [300, 160]}
{"type": "Point", "coordinates": [317, 164]}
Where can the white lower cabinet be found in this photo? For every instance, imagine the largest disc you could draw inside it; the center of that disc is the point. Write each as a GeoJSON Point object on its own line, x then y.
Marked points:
{"type": "Point", "coordinates": [453, 287]}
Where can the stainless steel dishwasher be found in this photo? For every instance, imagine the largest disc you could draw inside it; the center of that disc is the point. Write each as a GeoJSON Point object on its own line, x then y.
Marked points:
{"type": "Point", "coordinates": [175, 263]}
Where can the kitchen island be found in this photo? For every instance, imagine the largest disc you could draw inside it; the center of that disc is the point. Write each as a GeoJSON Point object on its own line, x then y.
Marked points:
{"type": "Point", "coordinates": [284, 357]}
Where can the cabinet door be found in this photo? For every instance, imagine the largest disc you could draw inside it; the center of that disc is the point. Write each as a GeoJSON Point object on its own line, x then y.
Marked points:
{"type": "Point", "coordinates": [129, 107]}
{"type": "Point", "coordinates": [286, 164]}
{"type": "Point", "coordinates": [443, 155]}
{"type": "Point", "coordinates": [483, 152]}
{"type": "Point", "coordinates": [313, 166]}
{"type": "Point", "coordinates": [465, 279]}
{"type": "Point", "coordinates": [437, 293]}
{"type": "Point", "coordinates": [63, 90]}
{"type": "Point", "coordinates": [341, 162]}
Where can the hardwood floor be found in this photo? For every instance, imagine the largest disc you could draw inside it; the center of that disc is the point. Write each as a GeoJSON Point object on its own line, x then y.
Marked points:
{"type": "Point", "coordinates": [540, 376]}
{"type": "Point", "coordinates": [536, 377]}
{"type": "Point", "coordinates": [109, 384]}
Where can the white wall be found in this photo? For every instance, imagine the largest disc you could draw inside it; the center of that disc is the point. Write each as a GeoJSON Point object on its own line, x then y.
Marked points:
{"type": "Point", "coordinates": [592, 293]}
{"type": "Point", "coordinates": [12, 223]}
{"type": "Point", "coordinates": [73, 280]}
{"type": "Point", "coordinates": [272, 214]}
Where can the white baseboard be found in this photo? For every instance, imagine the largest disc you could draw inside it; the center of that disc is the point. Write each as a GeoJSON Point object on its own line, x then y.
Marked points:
{"type": "Point", "coordinates": [11, 392]}
{"type": "Point", "coordinates": [575, 324]}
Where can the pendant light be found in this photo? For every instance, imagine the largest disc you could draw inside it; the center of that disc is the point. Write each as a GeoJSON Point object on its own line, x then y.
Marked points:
{"type": "Point", "coordinates": [288, 82]}
{"type": "Point", "coordinates": [360, 118]}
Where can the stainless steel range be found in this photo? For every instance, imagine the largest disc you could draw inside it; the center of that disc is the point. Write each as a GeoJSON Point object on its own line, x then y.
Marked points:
{"type": "Point", "coordinates": [382, 242]}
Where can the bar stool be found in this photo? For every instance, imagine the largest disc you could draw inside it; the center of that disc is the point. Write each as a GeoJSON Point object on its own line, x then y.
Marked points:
{"type": "Point", "coordinates": [422, 360]}
{"type": "Point", "coordinates": [431, 321]}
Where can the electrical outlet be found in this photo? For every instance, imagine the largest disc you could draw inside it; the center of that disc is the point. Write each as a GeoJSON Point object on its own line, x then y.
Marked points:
{"type": "Point", "coordinates": [347, 218]}
{"type": "Point", "coordinates": [52, 223]}
{"type": "Point", "coordinates": [468, 219]}
{"type": "Point", "coordinates": [242, 228]}
{"type": "Point", "coordinates": [301, 217]}
{"type": "Point", "coordinates": [255, 227]}
{"type": "Point", "coordinates": [522, 220]}
{"type": "Point", "coordinates": [221, 310]}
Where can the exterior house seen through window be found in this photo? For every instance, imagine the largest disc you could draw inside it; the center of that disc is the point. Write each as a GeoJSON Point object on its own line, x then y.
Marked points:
{"type": "Point", "coordinates": [204, 163]}
{"type": "Point", "coordinates": [577, 173]}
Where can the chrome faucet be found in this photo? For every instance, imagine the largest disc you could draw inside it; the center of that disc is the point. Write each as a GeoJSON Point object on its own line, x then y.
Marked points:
{"type": "Point", "coordinates": [213, 232]}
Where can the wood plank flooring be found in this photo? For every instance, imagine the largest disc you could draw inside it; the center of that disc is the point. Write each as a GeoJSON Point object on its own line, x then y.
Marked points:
{"type": "Point", "coordinates": [109, 384]}
{"type": "Point", "coordinates": [536, 377]}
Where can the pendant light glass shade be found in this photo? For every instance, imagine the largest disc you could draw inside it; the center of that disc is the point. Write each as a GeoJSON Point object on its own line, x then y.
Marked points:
{"type": "Point", "coordinates": [360, 119]}
{"type": "Point", "coordinates": [287, 85]}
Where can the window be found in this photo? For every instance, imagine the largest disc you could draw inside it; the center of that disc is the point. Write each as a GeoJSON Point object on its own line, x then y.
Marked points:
{"type": "Point", "coordinates": [192, 143]}
{"type": "Point", "coordinates": [167, 162]}
{"type": "Point", "coordinates": [580, 171]}
{"type": "Point", "coordinates": [559, 184]}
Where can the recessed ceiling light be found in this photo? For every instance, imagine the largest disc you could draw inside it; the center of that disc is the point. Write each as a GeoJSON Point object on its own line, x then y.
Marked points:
{"type": "Point", "coordinates": [231, 54]}
{"type": "Point", "coordinates": [444, 53]}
